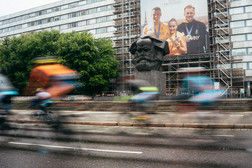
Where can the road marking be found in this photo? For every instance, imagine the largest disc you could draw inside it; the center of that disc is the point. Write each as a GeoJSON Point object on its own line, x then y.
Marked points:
{"type": "Point", "coordinates": [74, 148]}
{"type": "Point", "coordinates": [225, 135]}
{"type": "Point", "coordinates": [140, 133]}
{"type": "Point", "coordinates": [236, 115]}
{"type": "Point", "coordinates": [249, 149]}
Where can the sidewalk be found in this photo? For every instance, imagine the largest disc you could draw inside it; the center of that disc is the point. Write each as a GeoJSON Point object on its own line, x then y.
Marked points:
{"type": "Point", "coordinates": [199, 119]}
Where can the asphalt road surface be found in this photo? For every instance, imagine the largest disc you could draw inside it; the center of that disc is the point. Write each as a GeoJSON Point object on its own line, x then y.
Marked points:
{"type": "Point", "coordinates": [37, 145]}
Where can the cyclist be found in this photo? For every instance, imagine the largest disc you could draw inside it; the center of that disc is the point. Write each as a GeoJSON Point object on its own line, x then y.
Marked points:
{"type": "Point", "coordinates": [144, 94]}
{"type": "Point", "coordinates": [49, 79]}
{"type": "Point", "coordinates": [198, 88]}
{"type": "Point", "coordinates": [7, 90]}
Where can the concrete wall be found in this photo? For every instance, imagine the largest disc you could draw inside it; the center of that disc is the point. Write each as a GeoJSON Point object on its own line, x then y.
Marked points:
{"type": "Point", "coordinates": [226, 105]}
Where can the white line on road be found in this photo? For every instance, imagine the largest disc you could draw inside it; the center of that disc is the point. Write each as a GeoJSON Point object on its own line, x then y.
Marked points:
{"type": "Point", "coordinates": [224, 135]}
{"type": "Point", "coordinates": [74, 148]}
{"type": "Point", "coordinates": [236, 115]}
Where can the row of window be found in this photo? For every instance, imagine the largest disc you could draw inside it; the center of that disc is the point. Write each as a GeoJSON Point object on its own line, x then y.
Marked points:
{"type": "Point", "coordinates": [67, 16]}
{"type": "Point", "coordinates": [243, 37]}
{"type": "Point", "coordinates": [239, 10]}
{"type": "Point", "coordinates": [242, 23]}
{"type": "Point", "coordinates": [241, 65]}
{"type": "Point", "coordinates": [102, 30]}
{"type": "Point", "coordinates": [71, 25]}
{"type": "Point", "coordinates": [241, 51]}
{"type": "Point", "coordinates": [47, 11]}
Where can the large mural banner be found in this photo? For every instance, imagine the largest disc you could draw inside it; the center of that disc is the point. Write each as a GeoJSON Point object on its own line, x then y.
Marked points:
{"type": "Point", "coordinates": [182, 23]}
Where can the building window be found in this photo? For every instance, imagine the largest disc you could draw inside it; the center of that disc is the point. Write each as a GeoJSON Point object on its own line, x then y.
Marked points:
{"type": "Point", "coordinates": [13, 28]}
{"type": "Point", "coordinates": [56, 18]}
{"type": "Point", "coordinates": [64, 7]}
{"type": "Point", "coordinates": [103, 8]}
{"type": "Point", "coordinates": [25, 25]}
{"type": "Point", "coordinates": [49, 11]}
{"type": "Point", "coordinates": [102, 19]}
{"type": "Point", "coordinates": [83, 23]}
{"type": "Point", "coordinates": [19, 27]}
{"type": "Point", "coordinates": [5, 21]}
{"type": "Point", "coordinates": [91, 21]}
{"type": "Point", "coordinates": [5, 30]}
{"type": "Point", "coordinates": [238, 38]}
{"type": "Point", "coordinates": [237, 24]}
{"type": "Point", "coordinates": [30, 24]}
{"type": "Point", "coordinates": [43, 21]}
{"type": "Point", "coordinates": [73, 5]}
{"type": "Point", "coordinates": [84, 12]}
{"type": "Point", "coordinates": [32, 15]}
{"type": "Point", "coordinates": [56, 9]}
{"type": "Point", "coordinates": [249, 51]}
{"type": "Point", "coordinates": [19, 18]}
{"type": "Point", "coordinates": [72, 25]}
{"type": "Point", "coordinates": [249, 36]}
{"type": "Point", "coordinates": [63, 27]}
{"type": "Point", "coordinates": [91, 31]}
{"type": "Point", "coordinates": [238, 65]}
{"type": "Point", "coordinates": [56, 28]}
{"type": "Point", "coordinates": [111, 29]}
{"type": "Point", "coordinates": [91, 11]}
{"type": "Point", "coordinates": [102, 30]}
{"type": "Point", "coordinates": [235, 10]}
{"type": "Point", "coordinates": [110, 18]}
{"type": "Point", "coordinates": [239, 52]}
{"type": "Point", "coordinates": [42, 12]}
{"type": "Point", "coordinates": [49, 20]}
{"type": "Point", "coordinates": [110, 7]}
{"type": "Point", "coordinates": [248, 22]}
{"type": "Point", "coordinates": [75, 14]}
{"type": "Point", "coordinates": [84, 2]}
{"type": "Point", "coordinates": [248, 9]}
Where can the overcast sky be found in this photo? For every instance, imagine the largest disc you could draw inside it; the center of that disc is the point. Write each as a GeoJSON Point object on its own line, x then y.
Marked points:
{"type": "Point", "coordinates": [12, 6]}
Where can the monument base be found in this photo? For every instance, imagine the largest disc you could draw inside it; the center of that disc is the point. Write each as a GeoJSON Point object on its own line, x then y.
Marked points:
{"type": "Point", "coordinates": [155, 78]}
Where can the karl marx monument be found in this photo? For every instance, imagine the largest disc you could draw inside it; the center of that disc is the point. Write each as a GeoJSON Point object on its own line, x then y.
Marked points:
{"type": "Point", "coordinates": [148, 57]}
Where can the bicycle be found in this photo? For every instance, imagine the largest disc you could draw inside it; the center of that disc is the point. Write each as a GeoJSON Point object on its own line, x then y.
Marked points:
{"type": "Point", "coordinates": [52, 115]}
{"type": "Point", "coordinates": [5, 109]}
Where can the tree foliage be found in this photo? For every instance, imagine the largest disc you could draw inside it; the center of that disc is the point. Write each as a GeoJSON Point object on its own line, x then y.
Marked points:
{"type": "Point", "coordinates": [92, 58]}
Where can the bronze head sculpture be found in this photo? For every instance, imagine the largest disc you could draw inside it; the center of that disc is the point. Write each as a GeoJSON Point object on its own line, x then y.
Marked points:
{"type": "Point", "coordinates": [148, 53]}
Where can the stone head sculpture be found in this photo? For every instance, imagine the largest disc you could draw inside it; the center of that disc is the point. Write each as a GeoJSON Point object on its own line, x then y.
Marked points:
{"type": "Point", "coordinates": [148, 53]}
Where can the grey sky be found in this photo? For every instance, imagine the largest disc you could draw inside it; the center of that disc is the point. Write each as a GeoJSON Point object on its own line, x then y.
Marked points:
{"type": "Point", "coordinates": [13, 6]}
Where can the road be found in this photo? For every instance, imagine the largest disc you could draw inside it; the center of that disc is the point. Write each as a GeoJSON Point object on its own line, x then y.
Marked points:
{"type": "Point", "coordinates": [37, 145]}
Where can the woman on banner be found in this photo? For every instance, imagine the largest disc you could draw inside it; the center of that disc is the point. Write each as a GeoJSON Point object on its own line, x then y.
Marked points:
{"type": "Point", "coordinates": [176, 40]}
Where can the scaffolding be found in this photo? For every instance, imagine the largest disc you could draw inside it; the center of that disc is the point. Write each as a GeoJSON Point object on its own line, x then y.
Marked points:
{"type": "Point", "coordinates": [219, 35]}
{"type": "Point", "coordinates": [127, 24]}
{"type": "Point", "coordinates": [217, 62]}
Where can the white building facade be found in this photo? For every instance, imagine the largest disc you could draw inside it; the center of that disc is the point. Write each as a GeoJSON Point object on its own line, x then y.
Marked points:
{"type": "Point", "coordinates": [240, 24]}
{"type": "Point", "coordinates": [95, 16]}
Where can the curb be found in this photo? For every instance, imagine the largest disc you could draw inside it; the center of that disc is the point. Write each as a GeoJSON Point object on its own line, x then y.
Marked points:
{"type": "Point", "coordinates": [168, 125]}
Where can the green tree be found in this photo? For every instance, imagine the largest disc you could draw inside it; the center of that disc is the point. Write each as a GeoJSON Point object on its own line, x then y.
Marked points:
{"type": "Point", "coordinates": [92, 58]}
{"type": "Point", "coordinates": [17, 52]}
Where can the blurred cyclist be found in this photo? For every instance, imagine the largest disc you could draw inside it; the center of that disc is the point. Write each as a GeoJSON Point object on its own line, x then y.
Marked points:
{"type": "Point", "coordinates": [144, 94]}
{"type": "Point", "coordinates": [49, 79]}
{"type": "Point", "coordinates": [7, 90]}
{"type": "Point", "coordinates": [198, 88]}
